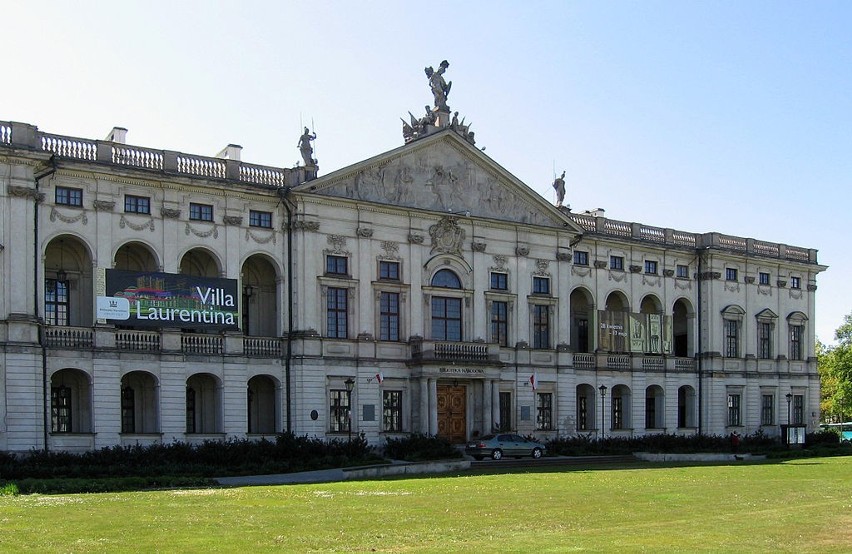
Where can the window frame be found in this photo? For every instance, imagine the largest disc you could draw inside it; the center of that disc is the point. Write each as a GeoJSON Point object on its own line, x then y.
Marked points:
{"type": "Point", "coordinates": [134, 204]}
{"type": "Point", "coordinates": [61, 409]}
{"type": "Point", "coordinates": [392, 411]}
{"type": "Point", "coordinates": [68, 196]}
{"type": "Point", "coordinates": [499, 322]}
{"type": "Point", "coordinates": [651, 267]}
{"type": "Point", "coordinates": [389, 318]}
{"type": "Point", "coordinates": [541, 327]}
{"type": "Point", "coordinates": [795, 282]}
{"type": "Point", "coordinates": [57, 312]}
{"type": "Point", "coordinates": [734, 405]}
{"type": "Point", "coordinates": [335, 327]}
{"type": "Point", "coordinates": [339, 410]}
{"type": "Point", "coordinates": [201, 212]}
{"type": "Point", "coordinates": [767, 409]}
{"type": "Point", "coordinates": [731, 274]}
{"type": "Point", "coordinates": [581, 257]}
{"type": "Point", "coordinates": [389, 271]}
{"type": "Point", "coordinates": [763, 278]}
{"type": "Point", "coordinates": [128, 410]}
{"type": "Point", "coordinates": [682, 271]}
{"type": "Point", "coordinates": [260, 219]}
{"type": "Point", "coordinates": [544, 411]}
{"type": "Point", "coordinates": [616, 263]}
{"type": "Point", "coordinates": [539, 283]}
{"type": "Point", "coordinates": [764, 340]}
{"type": "Point", "coordinates": [333, 263]}
{"type": "Point", "coordinates": [499, 281]}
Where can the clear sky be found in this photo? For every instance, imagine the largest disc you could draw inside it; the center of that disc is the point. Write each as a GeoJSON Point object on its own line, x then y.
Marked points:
{"type": "Point", "coordinates": [733, 117]}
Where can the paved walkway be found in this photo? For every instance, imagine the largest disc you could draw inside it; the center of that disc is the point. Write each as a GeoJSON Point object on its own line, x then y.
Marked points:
{"type": "Point", "coordinates": [321, 476]}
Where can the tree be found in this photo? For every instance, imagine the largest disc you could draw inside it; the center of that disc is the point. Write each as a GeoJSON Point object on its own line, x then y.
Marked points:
{"type": "Point", "coordinates": [835, 370]}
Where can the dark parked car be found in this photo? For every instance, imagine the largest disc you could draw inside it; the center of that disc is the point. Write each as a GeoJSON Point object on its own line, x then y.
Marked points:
{"type": "Point", "coordinates": [504, 444]}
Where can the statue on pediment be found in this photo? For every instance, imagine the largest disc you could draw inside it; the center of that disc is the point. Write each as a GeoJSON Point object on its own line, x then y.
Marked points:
{"type": "Point", "coordinates": [440, 87]}
{"type": "Point", "coordinates": [559, 187]}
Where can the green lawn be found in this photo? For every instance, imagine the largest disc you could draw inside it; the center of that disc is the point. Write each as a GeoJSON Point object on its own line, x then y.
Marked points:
{"type": "Point", "coordinates": [798, 505]}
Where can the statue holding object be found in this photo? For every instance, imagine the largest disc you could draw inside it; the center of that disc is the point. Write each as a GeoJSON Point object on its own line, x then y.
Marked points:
{"type": "Point", "coordinates": [440, 88]}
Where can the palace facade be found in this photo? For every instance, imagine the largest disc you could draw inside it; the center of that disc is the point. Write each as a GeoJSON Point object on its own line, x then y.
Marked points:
{"type": "Point", "coordinates": [151, 296]}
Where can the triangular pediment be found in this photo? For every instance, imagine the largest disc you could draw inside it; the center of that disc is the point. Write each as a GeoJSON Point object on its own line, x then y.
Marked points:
{"type": "Point", "coordinates": [442, 173]}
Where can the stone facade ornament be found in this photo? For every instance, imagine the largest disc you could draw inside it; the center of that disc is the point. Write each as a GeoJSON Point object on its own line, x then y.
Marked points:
{"type": "Point", "coordinates": [500, 261]}
{"type": "Point", "coordinates": [364, 232]}
{"type": "Point", "coordinates": [477, 246]}
{"type": "Point", "coordinates": [337, 243]}
{"type": "Point", "coordinates": [749, 280]}
{"type": "Point", "coordinates": [103, 205]}
{"type": "Point", "coordinates": [55, 214]}
{"type": "Point", "coordinates": [260, 240]}
{"type": "Point", "coordinates": [391, 250]}
{"type": "Point", "coordinates": [541, 267]}
{"type": "Point", "coordinates": [635, 268]}
{"type": "Point", "coordinates": [235, 220]}
{"type": "Point", "coordinates": [414, 238]}
{"type": "Point", "coordinates": [564, 256]}
{"type": "Point", "coordinates": [306, 149]}
{"type": "Point", "coordinates": [24, 192]}
{"type": "Point", "coordinates": [668, 272]}
{"type": "Point", "coordinates": [124, 222]}
{"type": "Point", "coordinates": [447, 236]}
{"type": "Point", "coordinates": [599, 264]}
{"type": "Point", "coordinates": [440, 87]}
{"type": "Point", "coordinates": [214, 231]}
{"type": "Point", "coordinates": [170, 213]}
{"type": "Point", "coordinates": [522, 251]}
{"type": "Point", "coordinates": [782, 283]}
{"type": "Point", "coordinates": [306, 226]}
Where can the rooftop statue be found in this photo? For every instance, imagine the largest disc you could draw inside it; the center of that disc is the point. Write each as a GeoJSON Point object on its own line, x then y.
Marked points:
{"type": "Point", "coordinates": [440, 88]}
{"type": "Point", "coordinates": [306, 149]}
{"type": "Point", "coordinates": [559, 187]}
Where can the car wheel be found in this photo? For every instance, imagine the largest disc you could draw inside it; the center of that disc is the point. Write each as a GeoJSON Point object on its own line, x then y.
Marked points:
{"type": "Point", "coordinates": [497, 454]}
{"type": "Point", "coordinates": [536, 453]}
{"type": "Point", "coordinates": [477, 458]}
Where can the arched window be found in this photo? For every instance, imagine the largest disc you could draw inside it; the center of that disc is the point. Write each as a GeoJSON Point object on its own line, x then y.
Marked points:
{"type": "Point", "coordinates": [446, 279]}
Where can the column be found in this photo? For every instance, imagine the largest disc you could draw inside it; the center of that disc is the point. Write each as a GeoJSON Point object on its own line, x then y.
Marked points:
{"type": "Point", "coordinates": [487, 411]}
{"type": "Point", "coordinates": [495, 402]}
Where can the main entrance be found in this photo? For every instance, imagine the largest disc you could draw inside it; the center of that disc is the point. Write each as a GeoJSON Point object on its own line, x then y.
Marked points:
{"type": "Point", "coordinates": [452, 412]}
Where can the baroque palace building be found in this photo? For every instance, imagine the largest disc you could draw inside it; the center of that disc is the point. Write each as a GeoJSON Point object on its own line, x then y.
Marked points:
{"type": "Point", "coordinates": [151, 296]}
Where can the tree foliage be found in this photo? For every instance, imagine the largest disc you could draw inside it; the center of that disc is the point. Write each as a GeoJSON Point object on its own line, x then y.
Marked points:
{"type": "Point", "coordinates": [835, 370]}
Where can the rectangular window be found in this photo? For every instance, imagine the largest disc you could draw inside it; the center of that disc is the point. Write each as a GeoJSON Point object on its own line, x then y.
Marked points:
{"type": "Point", "coordinates": [388, 271]}
{"type": "Point", "coordinates": [616, 262]}
{"type": "Point", "coordinates": [798, 409]}
{"type": "Point", "coordinates": [446, 318]}
{"type": "Point", "coordinates": [650, 267]}
{"type": "Point", "coordinates": [763, 278]}
{"type": "Point", "coordinates": [200, 212]}
{"type": "Point", "coordinates": [336, 313]}
{"type": "Point", "coordinates": [795, 283]}
{"type": "Point", "coordinates": [582, 414]}
{"type": "Point", "coordinates": [392, 410]}
{"type": "Point", "coordinates": [796, 342]}
{"type": "Point", "coordinates": [56, 302]}
{"type": "Point", "coordinates": [499, 281]}
{"type": "Point", "coordinates": [767, 410]}
{"type": "Point", "coordinates": [339, 410]}
{"type": "Point", "coordinates": [617, 412]}
{"type": "Point", "coordinates": [544, 411]}
{"type": "Point", "coordinates": [764, 340]}
{"type": "Point", "coordinates": [730, 274]}
{"type": "Point", "coordinates": [67, 196]}
{"type": "Point", "coordinates": [389, 316]}
{"type": "Point", "coordinates": [581, 258]}
{"type": "Point", "coordinates": [500, 323]}
{"type": "Point", "coordinates": [137, 204]}
{"type": "Point", "coordinates": [541, 285]}
{"type": "Point", "coordinates": [260, 219]}
{"type": "Point", "coordinates": [734, 410]}
{"type": "Point", "coordinates": [650, 412]}
{"type": "Point", "coordinates": [682, 271]}
{"type": "Point", "coordinates": [505, 423]}
{"type": "Point", "coordinates": [60, 409]}
{"type": "Point", "coordinates": [732, 338]}
{"type": "Point", "coordinates": [541, 326]}
{"type": "Point", "coordinates": [128, 410]}
{"type": "Point", "coordinates": [336, 265]}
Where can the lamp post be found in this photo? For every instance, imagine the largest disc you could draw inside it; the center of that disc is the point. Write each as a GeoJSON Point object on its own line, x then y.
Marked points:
{"type": "Point", "coordinates": [350, 384]}
{"type": "Point", "coordinates": [789, 397]}
{"type": "Point", "coordinates": [602, 388]}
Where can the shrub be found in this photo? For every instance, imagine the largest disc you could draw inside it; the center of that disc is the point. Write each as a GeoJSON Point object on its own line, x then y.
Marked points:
{"type": "Point", "coordinates": [419, 447]}
{"type": "Point", "coordinates": [9, 489]}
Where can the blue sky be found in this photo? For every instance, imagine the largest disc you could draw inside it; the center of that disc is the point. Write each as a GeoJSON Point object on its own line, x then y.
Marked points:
{"type": "Point", "coordinates": [701, 116]}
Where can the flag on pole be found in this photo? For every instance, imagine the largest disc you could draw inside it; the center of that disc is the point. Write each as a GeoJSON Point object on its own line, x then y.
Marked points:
{"type": "Point", "coordinates": [379, 377]}
{"type": "Point", "coordinates": [534, 381]}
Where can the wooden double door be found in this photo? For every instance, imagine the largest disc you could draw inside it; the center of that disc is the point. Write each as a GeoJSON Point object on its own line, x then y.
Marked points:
{"type": "Point", "coordinates": [452, 412]}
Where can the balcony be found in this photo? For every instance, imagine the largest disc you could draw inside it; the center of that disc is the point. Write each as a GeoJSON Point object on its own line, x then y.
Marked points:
{"type": "Point", "coordinates": [129, 340]}
{"type": "Point", "coordinates": [470, 352]}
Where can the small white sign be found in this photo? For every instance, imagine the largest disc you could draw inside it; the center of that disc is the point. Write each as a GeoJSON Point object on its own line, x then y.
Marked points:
{"type": "Point", "coordinates": [111, 307]}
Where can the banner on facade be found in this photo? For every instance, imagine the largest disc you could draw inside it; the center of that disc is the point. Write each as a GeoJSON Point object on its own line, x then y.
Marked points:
{"type": "Point", "coordinates": [151, 299]}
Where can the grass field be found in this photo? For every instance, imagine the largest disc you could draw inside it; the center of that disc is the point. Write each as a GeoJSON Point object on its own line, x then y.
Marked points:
{"type": "Point", "coordinates": [803, 505]}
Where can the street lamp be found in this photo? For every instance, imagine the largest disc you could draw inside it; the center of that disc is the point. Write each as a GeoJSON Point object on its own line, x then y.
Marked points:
{"type": "Point", "coordinates": [789, 398]}
{"type": "Point", "coordinates": [350, 384]}
{"type": "Point", "coordinates": [602, 388]}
